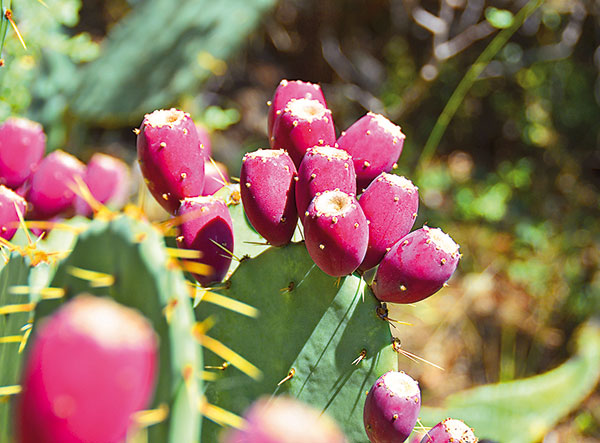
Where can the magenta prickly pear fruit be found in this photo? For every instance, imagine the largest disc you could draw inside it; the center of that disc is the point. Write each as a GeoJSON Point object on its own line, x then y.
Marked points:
{"type": "Point", "coordinates": [108, 180]}
{"type": "Point", "coordinates": [375, 143]}
{"type": "Point", "coordinates": [450, 431]}
{"type": "Point", "coordinates": [92, 365]}
{"type": "Point", "coordinates": [9, 219]}
{"type": "Point", "coordinates": [288, 90]}
{"type": "Point", "coordinates": [336, 233]}
{"type": "Point", "coordinates": [207, 227]}
{"type": "Point", "coordinates": [267, 181]}
{"type": "Point", "coordinates": [204, 139]}
{"type": "Point", "coordinates": [215, 177]}
{"type": "Point", "coordinates": [416, 267]}
{"type": "Point", "coordinates": [22, 146]}
{"type": "Point", "coordinates": [51, 191]}
{"type": "Point", "coordinates": [390, 204]}
{"type": "Point", "coordinates": [392, 408]}
{"type": "Point", "coordinates": [324, 168]}
{"type": "Point", "coordinates": [285, 420]}
{"type": "Point", "coordinates": [302, 124]}
{"type": "Point", "coordinates": [171, 158]}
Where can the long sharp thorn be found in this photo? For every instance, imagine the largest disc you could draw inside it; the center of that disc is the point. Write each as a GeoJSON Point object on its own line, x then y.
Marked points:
{"type": "Point", "coordinates": [220, 415]}
{"type": "Point", "coordinates": [8, 15]}
{"type": "Point", "coordinates": [9, 390]}
{"type": "Point", "coordinates": [228, 303]}
{"type": "Point", "coordinates": [96, 279]}
{"type": "Point", "coordinates": [228, 354]}
{"type": "Point", "coordinates": [151, 416]}
{"type": "Point", "coordinates": [231, 254]}
{"type": "Point", "coordinates": [23, 224]}
{"type": "Point", "coordinates": [224, 181]}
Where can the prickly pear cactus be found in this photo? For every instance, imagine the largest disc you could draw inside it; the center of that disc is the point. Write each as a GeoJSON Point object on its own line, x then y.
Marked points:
{"type": "Point", "coordinates": [313, 336]}
{"type": "Point", "coordinates": [117, 256]}
{"type": "Point", "coordinates": [14, 316]}
{"type": "Point", "coordinates": [126, 259]}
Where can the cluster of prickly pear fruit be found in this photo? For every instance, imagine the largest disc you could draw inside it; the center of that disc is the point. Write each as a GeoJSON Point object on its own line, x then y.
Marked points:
{"type": "Point", "coordinates": [50, 187]}
{"type": "Point", "coordinates": [355, 214]}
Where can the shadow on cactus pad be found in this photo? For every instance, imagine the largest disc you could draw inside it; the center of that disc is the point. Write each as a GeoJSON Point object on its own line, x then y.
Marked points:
{"type": "Point", "coordinates": [309, 331]}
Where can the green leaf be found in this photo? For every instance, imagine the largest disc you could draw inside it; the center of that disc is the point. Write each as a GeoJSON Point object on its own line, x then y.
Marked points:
{"type": "Point", "coordinates": [499, 18]}
{"type": "Point", "coordinates": [523, 411]}
{"type": "Point", "coordinates": [307, 321]}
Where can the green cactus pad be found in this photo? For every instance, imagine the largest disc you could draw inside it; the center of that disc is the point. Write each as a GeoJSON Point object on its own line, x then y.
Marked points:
{"type": "Point", "coordinates": [14, 273]}
{"type": "Point", "coordinates": [309, 322]}
{"type": "Point", "coordinates": [523, 411]}
{"type": "Point", "coordinates": [133, 253]}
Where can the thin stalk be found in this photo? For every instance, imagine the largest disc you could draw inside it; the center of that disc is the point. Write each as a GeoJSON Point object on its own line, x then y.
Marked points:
{"type": "Point", "coordinates": [467, 81]}
{"type": "Point", "coordinates": [4, 23]}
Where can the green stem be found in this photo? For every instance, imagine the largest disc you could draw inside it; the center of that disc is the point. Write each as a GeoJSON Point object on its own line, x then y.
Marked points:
{"type": "Point", "coordinates": [467, 81]}
{"type": "Point", "coordinates": [6, 4]}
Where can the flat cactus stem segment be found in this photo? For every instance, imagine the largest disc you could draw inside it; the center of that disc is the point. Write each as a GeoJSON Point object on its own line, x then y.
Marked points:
{"type": "Point", "coordinates": [143, 280]}
{"type": "Point", "coordinates": [311, 324]}
{"type": "Point", "coordinates": [14, 273]}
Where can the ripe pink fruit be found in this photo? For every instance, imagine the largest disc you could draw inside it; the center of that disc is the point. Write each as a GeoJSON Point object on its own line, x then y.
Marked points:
{"type": "Point", "coordinates": [392, 408]}
{"type": "Point", "coordinates": [92, 365]}
{"type": "Point", "coordinates": [22, 146]}
{"type": "Point", "coordinates": [207, 227]}
{"type": "Point", "coordinates": [285, 420]}
{"type": "Point", "coordinates": [324, 168]}
{"type": "Point", "coordinates": [204, 139]}
{"type": "Point", "coordinates": [267, 191]}
{"type": "Point", "coordinates": [302, 124]}
{"type": "Point", "coordinates": [416, 267]}
{"type": "Point", "coordinates": [375, 143]}
{"type": "Point", "coordinates": [9, 219]}
{"type": "Point", "coordinates": [108, 180]}
{"type": "Point", "coordinates": [336, 233]}
{"type": "Point", "coordinates": [215, 177]}
{"type": "Point", "coordinates": [171, 158]}
{"type": "Point", "coordinates": [52, 183]}
{"type": "Point", "coordinates": [450, 431]}
{"type": "Point", "coordinates": [288, 90]}
{"type": "Point", "coordinates": [390, 204]}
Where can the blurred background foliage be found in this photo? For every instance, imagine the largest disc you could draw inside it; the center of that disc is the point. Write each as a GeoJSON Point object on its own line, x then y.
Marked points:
{"type": "Point", "coordinates": [514, 178]}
